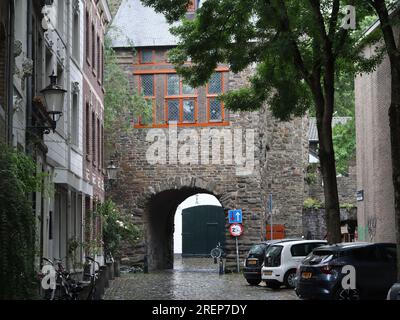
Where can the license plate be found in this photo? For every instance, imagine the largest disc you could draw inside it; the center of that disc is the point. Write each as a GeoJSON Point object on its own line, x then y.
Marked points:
{"type": "Point", "coordinates": [252, 262]}
{"type": "Point", "coordinates": [306, 275]}
{"type": "Point", "coordinates": [268, 273]}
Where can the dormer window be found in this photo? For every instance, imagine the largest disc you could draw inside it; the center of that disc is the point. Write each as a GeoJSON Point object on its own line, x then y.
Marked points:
{"type": "Point", "coordinates": [146, 56]}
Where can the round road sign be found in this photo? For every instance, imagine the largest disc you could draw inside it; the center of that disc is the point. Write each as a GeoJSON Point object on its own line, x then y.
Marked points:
{"type": "Point", "coordinates": [236, 230]}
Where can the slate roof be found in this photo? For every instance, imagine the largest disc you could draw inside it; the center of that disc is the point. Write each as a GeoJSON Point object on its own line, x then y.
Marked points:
{"type": "Point", "coordinates": [141, 26]}
{"type": "Point", "coordinates": [313, 131]}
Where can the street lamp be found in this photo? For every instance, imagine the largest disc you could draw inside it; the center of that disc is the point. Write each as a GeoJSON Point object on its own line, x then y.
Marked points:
{"type": "Point", "coordinates": [112, 171]}
{"type": "Point", "coordinates": [50, 110]}
{"type": "Point", "coordinates": [54, 96]}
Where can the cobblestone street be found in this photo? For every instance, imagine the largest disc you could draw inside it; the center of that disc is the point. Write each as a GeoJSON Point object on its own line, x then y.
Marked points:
{"type": "Point", "coordinates": [192, 279]}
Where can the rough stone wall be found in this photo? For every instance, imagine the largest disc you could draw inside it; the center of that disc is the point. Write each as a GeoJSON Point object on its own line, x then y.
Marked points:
{"type": "Point", "coordinates": [151, 193]}
{"type": "Point", "coordinates": [374, 165]}
{"type": "Point", "coordinates": [347, 187]}
{"type": "Point", "coordinates": [285, 157]}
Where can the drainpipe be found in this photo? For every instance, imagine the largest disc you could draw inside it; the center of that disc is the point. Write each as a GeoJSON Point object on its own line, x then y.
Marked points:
{"type": "Point", "coordinates": [29, 79]}
{"type": "Point", "coordinates": [10, 75]}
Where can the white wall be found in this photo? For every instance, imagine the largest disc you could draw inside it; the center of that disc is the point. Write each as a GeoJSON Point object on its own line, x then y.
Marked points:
{"type": "Point", "coordinates": [194, 201]}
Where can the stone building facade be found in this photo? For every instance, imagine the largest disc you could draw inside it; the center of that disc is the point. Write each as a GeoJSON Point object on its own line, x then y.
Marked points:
{"type": "Point", "coordinates": [151, 184]}
{"type": "Point", "coordinates": [374, 165]}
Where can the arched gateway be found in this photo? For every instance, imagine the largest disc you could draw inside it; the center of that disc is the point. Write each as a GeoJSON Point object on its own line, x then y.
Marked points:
{"type": "Point", "coordinates": [193, 145]}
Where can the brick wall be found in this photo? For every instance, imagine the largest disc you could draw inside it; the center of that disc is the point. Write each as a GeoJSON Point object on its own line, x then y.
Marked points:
{"type": "Point", "coordinates": [93, 97]}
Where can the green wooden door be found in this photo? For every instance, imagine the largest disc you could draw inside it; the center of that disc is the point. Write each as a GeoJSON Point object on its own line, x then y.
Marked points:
{"type": "Point", "coordinates": [202, 228]}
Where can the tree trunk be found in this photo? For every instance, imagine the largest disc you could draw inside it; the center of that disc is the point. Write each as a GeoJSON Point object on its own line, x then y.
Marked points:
{"type": "Point", "coordinates": [324, 98]}
{"type": "Point", "coordinates": [394, 120]}
{"type": "Point", "coordinates": [328, 170]}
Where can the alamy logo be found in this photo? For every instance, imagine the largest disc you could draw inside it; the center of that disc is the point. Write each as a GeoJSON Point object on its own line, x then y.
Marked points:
{"type": "Point", "coordinates": [349, 280]}
{"type": "Point", "coordinates": [349, 20]}
{"type": "Point", "coordinates": [49, 279]}
{"type": "Point", "coordinates": [234, 147]}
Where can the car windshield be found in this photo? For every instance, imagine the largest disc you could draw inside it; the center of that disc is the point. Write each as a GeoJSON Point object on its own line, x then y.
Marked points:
{"type": "Point", "coordinates": [258, 249]}
{"type": "Point", "coordinates": [273, 256]}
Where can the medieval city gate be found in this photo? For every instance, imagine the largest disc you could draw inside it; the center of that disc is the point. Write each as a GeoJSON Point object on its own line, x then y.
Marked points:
{"type": "Point", "coordinates": [275, 153]}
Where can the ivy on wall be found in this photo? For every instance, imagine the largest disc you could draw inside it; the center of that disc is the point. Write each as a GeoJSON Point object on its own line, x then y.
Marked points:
{"type": "Point", "coordinates": [18, 180]}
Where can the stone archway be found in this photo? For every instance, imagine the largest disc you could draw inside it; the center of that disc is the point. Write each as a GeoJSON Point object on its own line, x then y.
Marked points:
{"type": "Point", "coordinates": [159, 213]}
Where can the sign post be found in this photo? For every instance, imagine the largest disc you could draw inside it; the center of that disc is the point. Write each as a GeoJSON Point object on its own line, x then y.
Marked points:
{"type": "Point", "coordinates": [270, 213]}
{"type": "Point", "coordinates": [236, 230]}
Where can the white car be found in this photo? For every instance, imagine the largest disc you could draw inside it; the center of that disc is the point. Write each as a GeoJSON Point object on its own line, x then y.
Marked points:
{"type": "Point", "coordinates": [282, 260]}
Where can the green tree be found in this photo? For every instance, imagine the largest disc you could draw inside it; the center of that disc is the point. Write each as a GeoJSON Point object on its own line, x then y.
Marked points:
{"type": "Point", "coordinates": [121, 103]}
{"type": "Point", "coordinates": [117, 229]}
{"type": "Point", "coordinates": [344, 141]}
{"type": "Point", "coordinates": [299, 47]}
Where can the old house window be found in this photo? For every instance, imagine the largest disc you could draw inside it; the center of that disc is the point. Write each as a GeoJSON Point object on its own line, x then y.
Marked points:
{"type": "Point", "coordinates": [60, 16]}
{"type": "Point", "coordinates": [181, 100]}
{"type": "Point", "coordinates": [94, 138]}
{"type": "Point", "coordinates": [87, 42]}
{"type": "Point", "coordinates": [98, 58]}
{"type": "Point", "coordinates": [87, 120]}
{"type": "Point", "coordinates": [76, 33]}
{"type": "Point", "coordinates": [214, 105]}
{"type": "Point", "coordinates": [146, 56]}
{"type": "Point", "coordinates": [147, 85]}
{"type": "Point", "coordinates": [93, 48]}
{"type": "Point", "coordinates": [75, 119]}
{"type": "Point", "coordinates": [98, 144]}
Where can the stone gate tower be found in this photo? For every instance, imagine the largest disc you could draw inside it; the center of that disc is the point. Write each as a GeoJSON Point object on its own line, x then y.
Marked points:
{"type": "Point", "coordinates": [257, 155]}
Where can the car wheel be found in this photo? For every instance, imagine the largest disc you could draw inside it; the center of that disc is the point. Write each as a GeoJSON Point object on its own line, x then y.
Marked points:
{"type": "Point", "coordinates": [273, 285]}
{"type": "Point", "coordinates": [290, 279]}
{"type": "Point", "coordinates": [347, 294]}
{"type": "Point", "coordinates": [253, 282]}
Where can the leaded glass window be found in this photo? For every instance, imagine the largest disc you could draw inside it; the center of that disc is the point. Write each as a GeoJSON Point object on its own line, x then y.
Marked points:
{"type": "Point", "coordinates": [173, 85]}
{"type": "Point", "coordinates": [147, 84]}
{"type": "Point", "coordinates": [188, 111]}
{"type": "Point", "coordinates": [215, 83]}
{"type": "Point", "coordinates": [215, 110]}
{"type": "Point", "coordinates": [173, 110]}
{"type": "Point", "coordinates": [147, 56]}
{"type": "Point", "coordinates": [187, 89]}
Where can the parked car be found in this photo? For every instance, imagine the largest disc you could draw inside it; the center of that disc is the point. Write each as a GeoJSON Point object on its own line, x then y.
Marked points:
{"type": "Point", "coordinates": [394, 292]}
{"type": "Point", "coordinates": [321, 273]}
{"type": "Point", "coordinates": [282, 259]}
{"type": "Point", "coordinates": [255, 260]}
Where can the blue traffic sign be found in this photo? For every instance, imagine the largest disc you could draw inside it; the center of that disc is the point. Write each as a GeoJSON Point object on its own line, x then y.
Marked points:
{"type": "Point", "coordinates": [235, 216]}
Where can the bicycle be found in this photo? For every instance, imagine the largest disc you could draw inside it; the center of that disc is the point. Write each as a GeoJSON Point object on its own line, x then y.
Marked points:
{"type": "Point", "coordinates": [66, 288]}
{"type": "Point", "coordinates": [93, 276]}
{"type": "Point", "coordinates": [69, 289]}
{"type": "Point", "coordinates": [217, 253]}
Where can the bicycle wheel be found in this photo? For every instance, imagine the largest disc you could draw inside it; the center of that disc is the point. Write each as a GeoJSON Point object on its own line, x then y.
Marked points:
{"type": "Point", "coordinates": [216, 253]}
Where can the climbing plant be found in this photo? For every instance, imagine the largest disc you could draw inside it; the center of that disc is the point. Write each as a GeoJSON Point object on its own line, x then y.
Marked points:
{"type": "Point", "coordinates": [18, 180]}
{"type": "Point", "coordinates": [117, 228]}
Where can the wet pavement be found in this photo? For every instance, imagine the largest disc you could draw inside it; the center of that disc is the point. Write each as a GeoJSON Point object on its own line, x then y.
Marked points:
{"type": "Point", "coordinates": [191, 279]}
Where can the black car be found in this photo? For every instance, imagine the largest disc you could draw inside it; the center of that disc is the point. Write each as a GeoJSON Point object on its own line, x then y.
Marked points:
{"type": "Point", "coordinates": [321, 273]}
{"type": "Point", "coordinates": [255, 259]}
